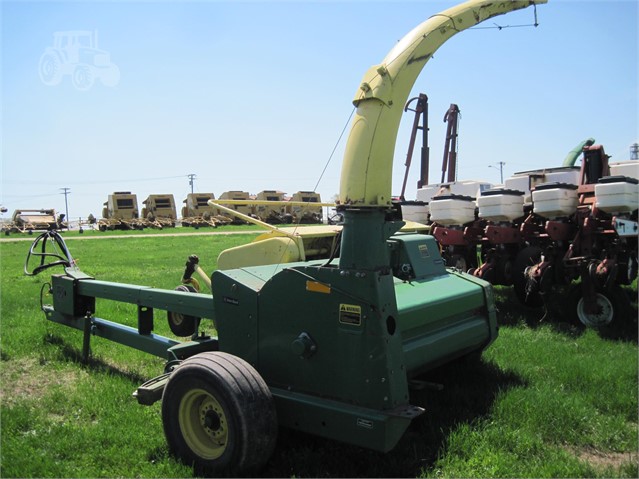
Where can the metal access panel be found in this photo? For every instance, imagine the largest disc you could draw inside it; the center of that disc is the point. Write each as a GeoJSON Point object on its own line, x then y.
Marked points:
{"type": "Point", "coordinates": [442, 319]}
{"type": "Point", "coordinates": [235, 294]}
{"type": "Point", "coordinates": [326, 333]}
{"type": "Point", "coordinates": [417, 254]}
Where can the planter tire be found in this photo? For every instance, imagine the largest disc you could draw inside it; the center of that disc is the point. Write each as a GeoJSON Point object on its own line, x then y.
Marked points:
{"type": "Point", "coordinates": [613, 310]}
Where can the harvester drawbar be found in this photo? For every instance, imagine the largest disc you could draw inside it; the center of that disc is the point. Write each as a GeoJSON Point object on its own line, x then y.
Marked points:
{"type": "Point", "coordinates": [328, 346]}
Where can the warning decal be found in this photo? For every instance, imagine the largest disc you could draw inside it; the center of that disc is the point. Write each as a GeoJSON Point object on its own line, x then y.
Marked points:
{"type": "Point", "coordinates": [423, 251]}
{"type": "Point", "coordinates": [350, 314]}
{"type": "Point", "coordinates": [317, 287]}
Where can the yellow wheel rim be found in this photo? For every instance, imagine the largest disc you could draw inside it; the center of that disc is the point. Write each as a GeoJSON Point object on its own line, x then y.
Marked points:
{"type": "Point", "coordinates": [203, 424]}
{"type": "Point", "coordinates": [177, 318]}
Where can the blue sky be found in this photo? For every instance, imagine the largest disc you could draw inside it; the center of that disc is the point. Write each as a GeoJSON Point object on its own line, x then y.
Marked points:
{"type": "Point", "coordinates": [254, 95]}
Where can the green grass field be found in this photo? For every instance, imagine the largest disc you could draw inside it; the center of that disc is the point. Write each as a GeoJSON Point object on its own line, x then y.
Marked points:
{"type": "Point", "coordinates": [547, 399]}
{"type": "Point", "coordinates": [91, 232]}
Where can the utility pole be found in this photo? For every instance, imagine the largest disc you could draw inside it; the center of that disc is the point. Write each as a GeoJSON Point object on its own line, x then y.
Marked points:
{"type": "Point", "coordinates": [66, 192]}
{"type": "Point", "coordinates": [501, 170]}
{"type": "Point", "coordinates": [191, 180]}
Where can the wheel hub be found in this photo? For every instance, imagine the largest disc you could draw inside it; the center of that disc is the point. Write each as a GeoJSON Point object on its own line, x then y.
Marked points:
{"type": "Point", "coordinates": [211, 420]}
{"type": "Point", "coordinates": [203, 424]}
{"type": "Point", "coordinates": [601, 315]}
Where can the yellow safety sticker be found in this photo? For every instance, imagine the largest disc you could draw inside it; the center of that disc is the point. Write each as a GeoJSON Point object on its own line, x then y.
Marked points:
{"type": "Point", "coordinates": [315, 287]}
{"type": "Point", "coordinates": [350, 314]}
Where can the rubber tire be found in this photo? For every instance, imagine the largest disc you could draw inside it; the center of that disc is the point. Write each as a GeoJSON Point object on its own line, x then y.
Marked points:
{"type": "Point", "coordinates": [83, 77]}
{"type": "Point", "coordinates": [621, 316]}
{"type": "Point", "coordinates": [50, 69]}
{"type": "Point", "coordinates": [182, 325]}
{"type": "Point", "coordinates": [246, 404]}
{"type": "Point", "coordinates": [626, 275]}
{"type": "Point", "coordinates": [528, 256]}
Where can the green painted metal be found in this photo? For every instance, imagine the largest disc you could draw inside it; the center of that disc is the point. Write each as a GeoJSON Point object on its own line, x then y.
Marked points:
{"type": "Point", "coordinates": [370, 428]}
{"type": "Point", "coordinates": [236, 307]}
{"type": "Point", "coordinates": [358, 337]}
{"type": "Point", "coordinates": [348, 352]}
{"type": "Point", "coordinates": [454, 324]}
{"type": "Point", "coordinates": [194, 304]}
{"type": "Point", "coordinates": [74, 306]}
{"type": "Point", "coordinates": [416, 256]}
{"type": "Point", "coordinates": [364, 238]}
{"type": "Point", "coordinates": [576, 152]}
{"type": "Point", "coordinates": [149, 343]}
{"type": "Point", "coordinates": [441, 315]}
{"type": "Point", "coordinates": [358, 357]}
{"type": "Point", "coordinates": [336, 345]}
{"type": "Point", "coordinates": [77, 296]}
{"type": "Point", "coordinates": [186, 349]}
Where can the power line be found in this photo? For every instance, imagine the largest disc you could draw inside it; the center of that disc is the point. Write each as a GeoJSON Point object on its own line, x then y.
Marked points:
{"type": "Point", "coordinates": [12, 197]}
{"type": "Point", "coordinates": [95, 182]}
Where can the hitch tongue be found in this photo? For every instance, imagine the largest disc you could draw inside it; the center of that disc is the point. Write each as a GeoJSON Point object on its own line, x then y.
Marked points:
{"type": "Point", "coordinates": [151, 391]}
